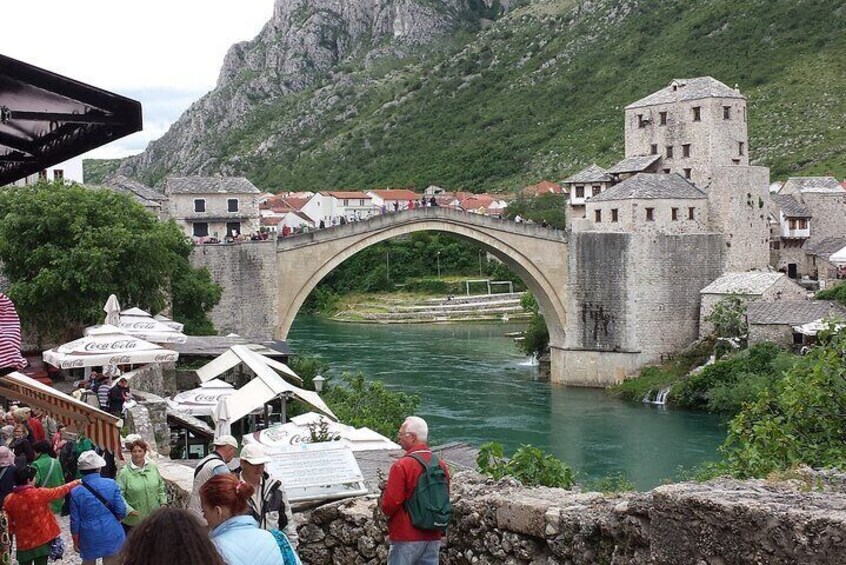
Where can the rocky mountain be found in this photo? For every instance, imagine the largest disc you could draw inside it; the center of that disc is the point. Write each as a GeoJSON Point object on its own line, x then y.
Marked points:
{"type": "Point", "coordinates": [482, 95]}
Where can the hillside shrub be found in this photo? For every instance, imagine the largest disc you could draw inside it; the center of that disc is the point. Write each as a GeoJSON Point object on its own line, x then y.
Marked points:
{"type": "Point", "coordinates": [361, 403]}
{"type": "Point", "coordinates": [799, 421]}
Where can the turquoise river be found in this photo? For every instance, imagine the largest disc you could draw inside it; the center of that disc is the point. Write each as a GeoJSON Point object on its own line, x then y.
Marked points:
{"type": "Point", "coordinates": [475, 386]}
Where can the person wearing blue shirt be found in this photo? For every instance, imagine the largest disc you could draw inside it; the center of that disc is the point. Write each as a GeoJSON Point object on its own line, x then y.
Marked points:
{"type": "Point", "coordinates": [95, 523]}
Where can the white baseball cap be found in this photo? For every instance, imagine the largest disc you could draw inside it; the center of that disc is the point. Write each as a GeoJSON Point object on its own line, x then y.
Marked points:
{"type": "Point", "coordinates": [254, 454]}
{"type": "Point", "coordinates": [226, 440]}
{"type": "Point", "coordinates": [89, 461]}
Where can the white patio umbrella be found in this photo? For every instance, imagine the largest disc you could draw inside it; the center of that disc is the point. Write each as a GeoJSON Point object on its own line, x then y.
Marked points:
{"type": "Point", "coordinates": [112, 310]}
{"type": "Point", "coordinates": [168, 322]}
{"type": "Point", "coordinates": [141, 324]}
{"type": "Point", "coordinates": [201, 401]}
{"type": "Point", "coordinates": [222, 418]}
{"type": "Point", "coordinates": [107, 345]}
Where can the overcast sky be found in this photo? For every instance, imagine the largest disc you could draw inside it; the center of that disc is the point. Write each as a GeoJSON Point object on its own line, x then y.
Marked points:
{"type": "Point", "coordinates": [164, 53]}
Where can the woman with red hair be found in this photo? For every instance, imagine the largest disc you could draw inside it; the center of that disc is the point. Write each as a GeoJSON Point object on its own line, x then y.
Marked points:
{"type": "Point", "coordinates": [236, 534]}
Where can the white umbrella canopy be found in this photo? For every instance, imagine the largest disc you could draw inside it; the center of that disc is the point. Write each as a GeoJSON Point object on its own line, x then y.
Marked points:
{"type": "Point", "coordinates": [168, 322]}
{"type": "Point", "coordinates": [140, 324]}
{"type": "Point", "coordinates": [112, 310]}
{"type": "Point", "coordinates": [107, 345]}
{"type": "Point", "coordinates": [201, 401]}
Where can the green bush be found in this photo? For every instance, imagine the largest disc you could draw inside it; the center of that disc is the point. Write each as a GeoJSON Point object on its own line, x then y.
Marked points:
{"type": "Point", "coordinates": [798, 421]}
{"type": "Point", "coordinates": [358, 402]}
{"type": "Point", "coordinates": [529, 465]}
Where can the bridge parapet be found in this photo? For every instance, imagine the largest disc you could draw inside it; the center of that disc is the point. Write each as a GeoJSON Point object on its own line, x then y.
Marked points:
{"type": "Point", "coordinates": [394, 219]}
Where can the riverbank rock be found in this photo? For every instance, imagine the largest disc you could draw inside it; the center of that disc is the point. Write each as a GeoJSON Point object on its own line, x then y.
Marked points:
{"type": "Point", "coordinates": [721, 522]}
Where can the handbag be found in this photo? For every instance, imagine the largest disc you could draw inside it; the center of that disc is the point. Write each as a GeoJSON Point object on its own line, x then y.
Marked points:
{"type": "Point", "coordinates": [103, 500]}
{"type": "Point", "coordinates": [57, 548]}
{"type": "Point", "coordinates": [289, 556]}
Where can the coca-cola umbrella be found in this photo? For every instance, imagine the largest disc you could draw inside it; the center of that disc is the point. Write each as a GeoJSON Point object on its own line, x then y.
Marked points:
{"type": "Point", "coordinates": [107, 345]}
{"type": "Point", "coordinates": [138, 323]}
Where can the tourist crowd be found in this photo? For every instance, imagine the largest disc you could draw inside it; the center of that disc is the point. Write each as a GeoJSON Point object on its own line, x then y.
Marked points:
{"type": "Point", "coordinates": [237, 517]}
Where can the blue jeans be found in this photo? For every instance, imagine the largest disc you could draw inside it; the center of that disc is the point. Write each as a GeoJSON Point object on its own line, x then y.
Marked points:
{"type": "Point", "coordinates": [414, 552]}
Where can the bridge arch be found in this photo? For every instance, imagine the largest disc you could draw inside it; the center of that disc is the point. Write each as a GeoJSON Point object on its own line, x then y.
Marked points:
{"type": "Point", "coordinates": [538, 255]}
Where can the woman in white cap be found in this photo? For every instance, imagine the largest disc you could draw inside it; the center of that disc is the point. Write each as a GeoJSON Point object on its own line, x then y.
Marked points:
{"type": "Point", "coordinates": [269, 503]}
{"type": "Point", "coordinates": [96, 510]}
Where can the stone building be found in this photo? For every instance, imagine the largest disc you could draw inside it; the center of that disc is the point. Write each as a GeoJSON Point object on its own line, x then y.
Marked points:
{"type": "Point", "coordinates": [820, 263]}
{"type": "Point", "coordinates": [750, 286]}
{"type": "Point", "coordinates": [665, 203]}
{"type": "Point", "coordinates": [692, 125]}
{"type": "Point", "coordinates": [774, 321]}
{"type": "Point", "coordinates": [791, 228]}
{"type": "Point", "coordinates": [149, 198]}
{"type": "Point", "coordinates": [588, 182]}
{"type": "Point", "coordinates": [212, 206]}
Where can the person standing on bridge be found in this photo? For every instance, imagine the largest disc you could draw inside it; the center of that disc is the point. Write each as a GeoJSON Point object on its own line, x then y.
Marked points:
{"type": "Point", "coordinates": [415, 536]}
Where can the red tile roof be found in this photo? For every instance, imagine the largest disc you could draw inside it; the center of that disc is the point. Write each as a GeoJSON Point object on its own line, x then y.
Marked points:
{"type": "Point", "coordinates": [295, 203]}
{"type": "Point", "coordinates": [343, 195]}
{"type": "Point", "coordinates": [396, 194]}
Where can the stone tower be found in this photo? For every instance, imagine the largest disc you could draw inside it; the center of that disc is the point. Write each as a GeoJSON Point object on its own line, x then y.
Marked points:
{"type": "Point", "coordinates": [697, 128]}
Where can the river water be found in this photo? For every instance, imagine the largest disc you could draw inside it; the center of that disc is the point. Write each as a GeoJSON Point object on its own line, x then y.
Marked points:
{"type": "Point", "coordinates": [475, 386]}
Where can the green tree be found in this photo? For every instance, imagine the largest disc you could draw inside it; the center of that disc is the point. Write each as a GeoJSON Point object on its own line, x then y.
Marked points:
{"type": "Point", "coordinates": [729, 321]}
{"type": "Point", "coordinates": [536, 337]}
{"type": "Point", "coordinates": [358, 402]}
{"type": "Point", "coordinates": [66, 248]}
{"type": "Point", "coordinates": [549, 208]}
{"type": "Point", "coordinates": [530, 465]}
{"type": "Point", "coordinates": [799, 421]}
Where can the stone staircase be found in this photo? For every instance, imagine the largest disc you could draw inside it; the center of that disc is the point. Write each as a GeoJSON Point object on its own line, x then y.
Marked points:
{"type": "Point", "coordinates": [488, 307]}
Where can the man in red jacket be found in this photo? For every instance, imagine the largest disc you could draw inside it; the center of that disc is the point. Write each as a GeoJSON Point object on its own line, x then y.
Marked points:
{"type": "Point", "coordinates": [409, 545]}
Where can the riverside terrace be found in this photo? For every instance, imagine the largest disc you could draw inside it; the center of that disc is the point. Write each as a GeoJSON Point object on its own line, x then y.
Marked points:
{"type": "Point", "coordinates": [612, 301]}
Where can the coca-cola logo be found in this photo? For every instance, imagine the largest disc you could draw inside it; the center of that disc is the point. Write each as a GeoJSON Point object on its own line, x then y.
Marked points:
{"type": "Point", "coordinates": [120, 344]}
{"type": "Point", "coordinates": [143, 325]}
{"type": "Point", "coordinates": [78, 363]}
{"type": "Point", "coordinates": [119, 360]}
{"type": "Point", "coordinates": [163, 357]}
{"type": "Point", "coordinates": [300, 438]}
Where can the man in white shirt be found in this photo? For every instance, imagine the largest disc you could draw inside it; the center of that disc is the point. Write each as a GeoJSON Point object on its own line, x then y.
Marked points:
{"type": "Point", "coordinates": [225, 448]}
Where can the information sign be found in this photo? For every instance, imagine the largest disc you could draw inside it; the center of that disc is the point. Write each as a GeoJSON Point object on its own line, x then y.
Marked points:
{"type": "Point", "coordinates": [317, 471]}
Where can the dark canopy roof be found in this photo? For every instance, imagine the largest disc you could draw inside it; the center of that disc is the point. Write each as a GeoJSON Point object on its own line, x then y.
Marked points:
{"type": "Point", "coordinates": [46, 118]}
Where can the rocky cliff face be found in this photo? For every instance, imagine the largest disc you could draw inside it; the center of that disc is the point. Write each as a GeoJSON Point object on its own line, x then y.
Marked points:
{"type": "Point", "coordinates": [298, 49]}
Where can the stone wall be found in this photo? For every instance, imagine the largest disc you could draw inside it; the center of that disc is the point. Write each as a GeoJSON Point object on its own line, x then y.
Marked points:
{"type": "Point", "coordinates": [247, 274]}
{"type": "Point", "coordinates": [723, 522]}
{"type": "Point", "coordinates": [780, 334]}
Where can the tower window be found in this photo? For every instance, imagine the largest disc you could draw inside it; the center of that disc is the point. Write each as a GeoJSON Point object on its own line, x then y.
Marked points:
{"type": "Point", "coordinates": [641, 121]}
{"type": "Point", "coordinates": [597, 216]}
{"type": "Point", "coordinates": [697, 113]}
{"type": "Point", "coordinates": [690, 213]}
{"type": "Point", "coordinates": [741, 147]}
{"type": "Point", "coordinates": [650, 214]}
{"type": "Point", "coordinates": [669, 152]}
{"type": "Point", "coordinates": [615, 216]}
{"type": "Point", "coordinates": [674, 214]}
{"type": "Point", "coordinates": [663, 118]}
{"type": "Point", "coordinates": [687, 173]}
{"type": "Point", "coordinates": [726, 112]}
{"type": "Point", "coordinates": [686, 150]}
{"type": "Point", "coordinates": [653, 149]}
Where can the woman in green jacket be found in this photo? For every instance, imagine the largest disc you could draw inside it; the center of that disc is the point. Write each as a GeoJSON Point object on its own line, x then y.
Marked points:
{"type": "Point", "coordinates": [49, 471]}
{"type": "Point", "coordinates": [141, 484]}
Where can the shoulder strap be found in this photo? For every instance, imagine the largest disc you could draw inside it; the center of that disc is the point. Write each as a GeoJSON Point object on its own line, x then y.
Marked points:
{"type": "Point", "coordinates": [433, 461]}
{"type": "Point", "coordinates": [103, 500]}
{"type": "Point", "coordinates": [211, 458]}
{"type": "Point", "coordinates": [50, 470]}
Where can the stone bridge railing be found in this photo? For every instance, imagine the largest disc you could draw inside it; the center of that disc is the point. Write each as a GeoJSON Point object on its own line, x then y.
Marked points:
{"type": "Point", "coordinates": [434, 213]}
{"type": "Point", "coordinates": [723, 522]}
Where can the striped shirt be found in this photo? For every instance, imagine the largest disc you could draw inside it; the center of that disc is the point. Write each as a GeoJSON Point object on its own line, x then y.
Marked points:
{"type": "Point", "coordinates": [10, 335]}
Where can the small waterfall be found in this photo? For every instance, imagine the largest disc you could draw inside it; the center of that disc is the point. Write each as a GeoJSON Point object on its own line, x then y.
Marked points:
{"type": "Point", "coordinates": [530, 362]}
{"type": "Point", "coordinates": [660, 398]}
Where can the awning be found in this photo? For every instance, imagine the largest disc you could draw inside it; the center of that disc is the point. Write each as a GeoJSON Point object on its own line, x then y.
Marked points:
{"type": "Point", "coordinates": [238, 354]}
{"type": "Point", "coordinates": [297, 432]}
{"type": "Point", "coordinates": [47, 118]}
{"type": "Point", "coordinates": [100, 427]}
{"type": "Point", "coordinates": [201, 401]}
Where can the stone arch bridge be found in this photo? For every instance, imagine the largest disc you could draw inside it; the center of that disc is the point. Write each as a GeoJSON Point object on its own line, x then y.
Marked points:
{"type": "Point", "coordinates": [581, 282]}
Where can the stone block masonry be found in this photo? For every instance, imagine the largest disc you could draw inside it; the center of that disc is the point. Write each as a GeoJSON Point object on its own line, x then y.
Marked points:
{"type": "Point", "coordinates": [247, 274]}
{"type": "Point", "coordinates": [724, 522]}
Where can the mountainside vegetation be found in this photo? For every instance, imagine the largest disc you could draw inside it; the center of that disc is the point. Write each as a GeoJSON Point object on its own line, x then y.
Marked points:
{"type": "Point", "coordinates": [539, 93]}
